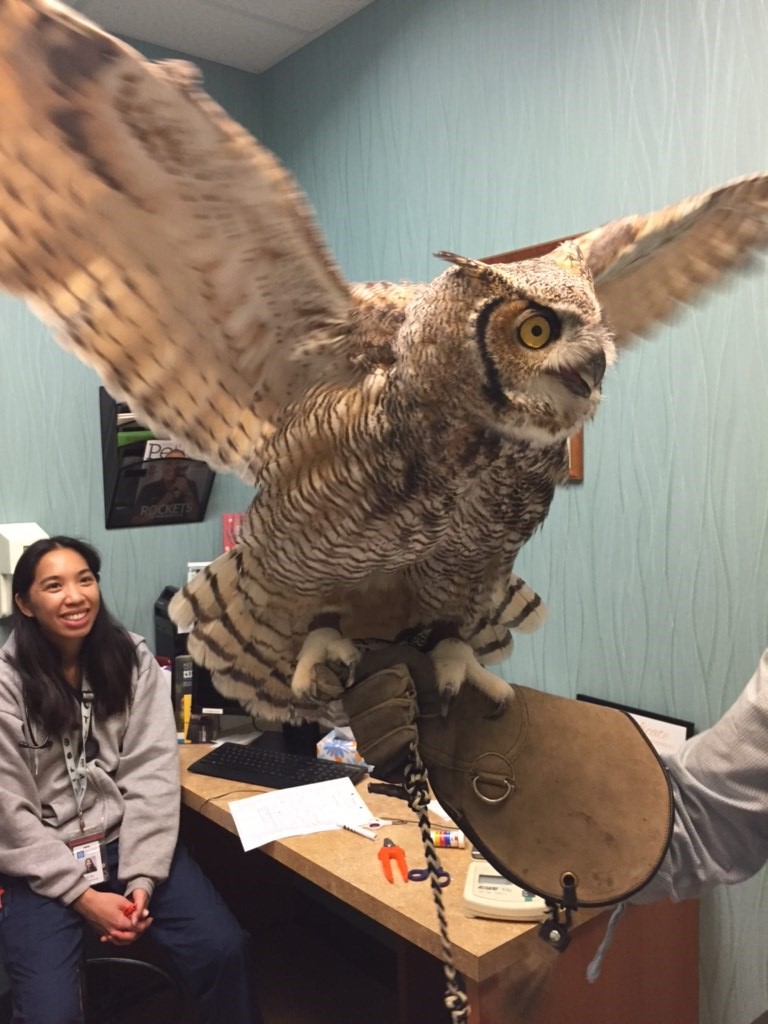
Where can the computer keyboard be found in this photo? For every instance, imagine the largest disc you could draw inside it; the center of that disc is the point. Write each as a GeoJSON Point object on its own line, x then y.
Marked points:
{"type": "Point", "coordinates": [275, 769]}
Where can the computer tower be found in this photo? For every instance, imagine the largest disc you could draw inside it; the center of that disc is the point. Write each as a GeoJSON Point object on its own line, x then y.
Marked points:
{"type": "Point", "coordinates": [169, 642]}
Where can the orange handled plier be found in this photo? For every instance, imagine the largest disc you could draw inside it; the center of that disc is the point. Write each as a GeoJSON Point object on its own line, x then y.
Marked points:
{"type": "Point", "coordinates": [389, 852]}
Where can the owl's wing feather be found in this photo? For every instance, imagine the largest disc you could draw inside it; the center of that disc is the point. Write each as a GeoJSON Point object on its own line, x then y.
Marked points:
{"type": "Point", "coordinates": [162, 243]}
{"type": "Point", "coordinates": [644, 267]}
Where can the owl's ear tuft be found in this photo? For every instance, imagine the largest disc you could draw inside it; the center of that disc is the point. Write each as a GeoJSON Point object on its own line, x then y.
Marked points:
{"type": "Point", "coordinates": [569, 257]}
{"type": "Point", "coordinates": [476, 268]}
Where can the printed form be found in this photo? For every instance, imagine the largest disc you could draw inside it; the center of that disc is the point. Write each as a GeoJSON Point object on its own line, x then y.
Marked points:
{"type": "Point", "coordinates": [298, 811]}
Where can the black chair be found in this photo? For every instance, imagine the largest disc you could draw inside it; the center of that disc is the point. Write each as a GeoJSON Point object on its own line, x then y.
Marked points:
{"type": "Point", "coordinates": [131, 986]}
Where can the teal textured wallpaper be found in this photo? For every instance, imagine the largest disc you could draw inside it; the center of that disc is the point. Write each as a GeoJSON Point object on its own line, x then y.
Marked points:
{"type": "Point", "coordinates": [486, 126]}
{"type": "Point", "coordinates": [437, 124]}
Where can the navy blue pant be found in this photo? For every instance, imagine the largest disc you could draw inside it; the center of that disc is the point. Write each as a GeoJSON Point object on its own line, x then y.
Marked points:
{"type": "Point", "coordinates": [40, 946]}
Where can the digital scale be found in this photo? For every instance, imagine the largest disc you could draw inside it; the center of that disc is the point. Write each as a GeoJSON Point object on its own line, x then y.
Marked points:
{"type": "Point", "coordinates": [489, 894]}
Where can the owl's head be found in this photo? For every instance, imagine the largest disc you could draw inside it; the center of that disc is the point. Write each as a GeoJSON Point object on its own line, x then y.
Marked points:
{"type": "Point", "coordinates": [523, 345]}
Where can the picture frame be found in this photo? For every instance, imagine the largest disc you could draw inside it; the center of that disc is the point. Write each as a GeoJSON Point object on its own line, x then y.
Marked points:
{"type": "Point", "coordinates": [576, 457]}
{"type": "Point", "coordinates": [666, 734]}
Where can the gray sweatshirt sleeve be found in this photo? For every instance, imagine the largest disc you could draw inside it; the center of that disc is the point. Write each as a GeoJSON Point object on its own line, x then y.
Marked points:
{"type": "Point", "coordinates": [720, 785]}
{"type": "Point", "coordinates": [148, 779]}
{"type": "Point", "coordinates": [27, 847]}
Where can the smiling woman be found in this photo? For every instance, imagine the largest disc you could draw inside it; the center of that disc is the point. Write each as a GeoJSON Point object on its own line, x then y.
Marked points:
{"type": "Point", "coordinates": [89, 802]}
{"type": "Point", "coordinates": [57, 597]}
{"type": "Point", "coordinates": [64, 599]}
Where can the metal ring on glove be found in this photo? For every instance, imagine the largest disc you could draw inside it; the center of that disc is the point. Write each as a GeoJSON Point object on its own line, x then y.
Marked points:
{"type": "Point", "coordinates": [492, 800]}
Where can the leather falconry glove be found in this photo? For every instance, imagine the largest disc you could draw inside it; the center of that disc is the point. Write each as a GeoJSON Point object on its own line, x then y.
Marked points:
{"type": "Point", "coordinates": [566, 798]}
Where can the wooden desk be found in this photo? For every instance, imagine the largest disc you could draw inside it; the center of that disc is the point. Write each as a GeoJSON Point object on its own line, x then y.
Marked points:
{"type": "Point", "coordinates": [649, 975]}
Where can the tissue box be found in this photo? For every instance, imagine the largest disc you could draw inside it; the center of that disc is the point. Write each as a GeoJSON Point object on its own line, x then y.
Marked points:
{"type": "Point", "coordinates": [339, 745]}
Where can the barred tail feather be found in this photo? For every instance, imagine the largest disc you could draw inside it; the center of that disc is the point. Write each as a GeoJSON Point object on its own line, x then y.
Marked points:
{"type": "Point", "coordinates": [199, 595]}
{"type": "Point", "coordinates": [491, 644]}
{"type": "Point", "coordinates": [245, 635]}
{"type": "Point", "coordinates": [518, 607]}
{"type": "Point", "coordinates": [224, 607]}
{"type": "Point", "coordinates": [514, 607]}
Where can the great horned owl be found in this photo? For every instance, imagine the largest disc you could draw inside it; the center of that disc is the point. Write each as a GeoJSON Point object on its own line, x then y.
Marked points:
{"type": "Point", "coordinates": [405, 439]}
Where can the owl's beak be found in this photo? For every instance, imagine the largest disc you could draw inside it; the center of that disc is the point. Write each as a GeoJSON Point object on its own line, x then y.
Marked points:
{"type": "Point", "coordinates": [595, 368]}
{"type": "Point", "coordinates": [583, 381]}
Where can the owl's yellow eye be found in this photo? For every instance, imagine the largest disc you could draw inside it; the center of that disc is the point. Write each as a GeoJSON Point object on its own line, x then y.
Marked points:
{"type": "Point", "coordinates": [536, 331]}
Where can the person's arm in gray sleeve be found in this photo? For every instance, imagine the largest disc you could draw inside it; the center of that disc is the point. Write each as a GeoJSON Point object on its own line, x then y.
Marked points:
{"type": "Point", "coordinates": [720, 784]}
{"type": "Point", "coordinates": [148, 778]}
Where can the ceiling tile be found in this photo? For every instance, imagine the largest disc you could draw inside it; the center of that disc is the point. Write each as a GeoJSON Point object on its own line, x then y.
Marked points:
{"type": "Point", "coordinates": [310, 16]}
{"type": "Point", "coordinates": [251, 35]}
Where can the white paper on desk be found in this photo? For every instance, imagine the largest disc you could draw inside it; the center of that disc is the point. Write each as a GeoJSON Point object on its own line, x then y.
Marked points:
{"type": "Point", "coordinates": [298, 811]}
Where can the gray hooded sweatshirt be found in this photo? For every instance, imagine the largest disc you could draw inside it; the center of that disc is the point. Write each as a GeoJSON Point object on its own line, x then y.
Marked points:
{"type": "Point", "coordinates": [132, 788]}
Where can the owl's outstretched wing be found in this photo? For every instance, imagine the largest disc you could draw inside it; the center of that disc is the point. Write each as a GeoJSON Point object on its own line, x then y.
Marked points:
{"type": "Point", "coordinates": [644, 267]}
{"type": "Point", "coordinates": [161, 242]}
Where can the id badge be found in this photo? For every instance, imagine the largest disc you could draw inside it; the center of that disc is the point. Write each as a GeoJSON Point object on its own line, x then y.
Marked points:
{"type": "Point", "coordinates": [89, 853]}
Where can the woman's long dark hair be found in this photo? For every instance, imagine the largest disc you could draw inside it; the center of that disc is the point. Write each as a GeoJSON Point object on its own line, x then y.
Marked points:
{"type": "Point", "coordinates": [107, 658]}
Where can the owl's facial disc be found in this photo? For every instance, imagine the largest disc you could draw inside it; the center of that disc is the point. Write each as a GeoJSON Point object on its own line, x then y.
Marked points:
{"type": "Point", "coordinates": [543, 365]}
{"type": "Point", "coordinates": [538, 328]}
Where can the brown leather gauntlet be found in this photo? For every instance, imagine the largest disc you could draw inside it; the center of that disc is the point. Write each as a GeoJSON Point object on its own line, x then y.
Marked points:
{"type": "Point", "coordinates": [567, 798]}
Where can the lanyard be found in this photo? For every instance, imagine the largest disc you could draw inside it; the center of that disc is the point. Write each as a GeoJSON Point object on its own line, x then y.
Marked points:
{"type": "Point", "coordinates": [76, 768]}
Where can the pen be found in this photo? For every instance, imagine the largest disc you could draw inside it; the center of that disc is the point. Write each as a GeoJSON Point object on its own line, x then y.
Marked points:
{"type": "Point", "coordinates": [366, 833]}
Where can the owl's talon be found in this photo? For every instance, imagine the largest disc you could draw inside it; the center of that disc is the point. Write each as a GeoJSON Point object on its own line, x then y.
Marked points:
{"type": "Point", "coordinates": [325, 685]}
{"type": "Point", "coordinates": [324, 651]}
{"type": "Point", "coordinates": [498, 711]}
{"type": "Point", "coordinates": [455, 662]}
{"type": "Point", "coordinates": [344, 672]}
{"type": "Point", "coordinates": [447, 701]}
